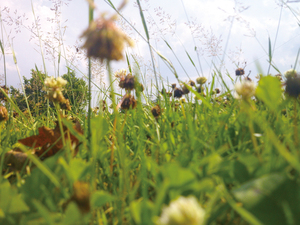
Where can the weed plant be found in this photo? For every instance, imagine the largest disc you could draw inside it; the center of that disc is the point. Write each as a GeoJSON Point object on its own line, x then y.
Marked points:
{"type": "Point", "coordinates": [212, 157]}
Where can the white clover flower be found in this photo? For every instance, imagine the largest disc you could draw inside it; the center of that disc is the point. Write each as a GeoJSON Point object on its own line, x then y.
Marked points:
{"type": "Point", "coordinates": [54, 87]}
{"type": "Point", "coordinates": [244, 90]}
{"type": "Point", "coordinates": [183, 211]}
{"type": "Point", "coordinates": [290, 73]}
{"type": "Point", "coordinates": [61, 82]}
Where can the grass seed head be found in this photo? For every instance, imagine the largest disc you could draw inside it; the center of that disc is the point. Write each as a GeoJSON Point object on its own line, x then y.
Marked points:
{"type": "Point", "coordinates": [3, 114]}
{"type": "Point", "coordinates": [104, 40]}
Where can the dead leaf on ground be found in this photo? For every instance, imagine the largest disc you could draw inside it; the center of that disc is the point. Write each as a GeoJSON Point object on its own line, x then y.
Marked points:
{"type": "Point", "coordinates": [50, 140]}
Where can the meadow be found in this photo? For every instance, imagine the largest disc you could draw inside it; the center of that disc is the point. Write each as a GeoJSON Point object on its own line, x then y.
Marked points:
{"type": "Point", "coordinates": [200, 152]}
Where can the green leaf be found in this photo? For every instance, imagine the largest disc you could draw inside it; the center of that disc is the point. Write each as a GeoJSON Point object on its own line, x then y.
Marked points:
{"type": "Point", "coordinates": [100, 198]}
{"type": "Point", "coordinates": [269, 91]}
{"type": "Point", "coordinates": [273, 199]}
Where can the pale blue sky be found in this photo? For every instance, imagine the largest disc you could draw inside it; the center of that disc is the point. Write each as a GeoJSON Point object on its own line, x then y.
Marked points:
{"type": "Point", "coordinates": [249, 33]}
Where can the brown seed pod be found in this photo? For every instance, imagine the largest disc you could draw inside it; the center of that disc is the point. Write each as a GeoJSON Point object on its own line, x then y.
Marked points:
{"type": "Point", "coordinates": [3, 114]}
{"type": "Point", "coordinates": [217, 90]}
{"type": "Point", "coordinates": [200, 89]}
{"type": "Point", "coordinates": [156, 111]}
{"type": "Point", "coordinates": [178, 93]}
{"type": "Point", "coordinates": [129, 102]}
{"type": "Point", "coordinates": [239, 72]}
{"type": "Point", "coordinates": [129, 82]}
{"type": "Point", "coordinates": [173, 86]}
{"type": "Point", "coordinates": [104, 40]}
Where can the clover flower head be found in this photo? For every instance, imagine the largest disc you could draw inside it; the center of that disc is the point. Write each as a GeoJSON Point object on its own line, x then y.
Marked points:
{"type": "Point", "coordinates": [183, 211]}
{"type": "Point", "coordinates": [290, 73]}
{"type": "Point", "coordinates": [245, 89]}
{"type": "Point", "coordinates": [54, 87]}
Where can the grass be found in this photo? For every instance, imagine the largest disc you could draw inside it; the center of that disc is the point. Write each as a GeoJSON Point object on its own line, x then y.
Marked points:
{"type": "Point", "coordinates": [238, 157]}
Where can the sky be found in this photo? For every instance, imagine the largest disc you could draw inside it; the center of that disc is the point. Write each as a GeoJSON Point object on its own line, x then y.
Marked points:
{"type": "Point", "coordinates": [227, 34]}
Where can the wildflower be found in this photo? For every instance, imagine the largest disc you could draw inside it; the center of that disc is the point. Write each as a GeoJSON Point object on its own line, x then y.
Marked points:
{"type": "Point", "coordinates": [104, 40]}
{"type": "Point", "coordinates": [245, 89]}
{"type": "Point", "coordinates": [293, 86]}
{"type": "Point", "coordinates": [239, 72]}
{"type": "Point", "coordinates": [156, 111]}
{"type": "Point", "coordinates": [290, 73]}
{"type": "Point", "coordinates": [54, 86]}
{"type": "Point", "coordinates": [128, 102]}
{"type": "Point", "coordinates": [178, 93]}
{"type": "Point", "coordinates": [3, 114]}
{"type": "Point", "coordinates": [201, 80]}
{"type": "Point", "coordinates": [182, 211]}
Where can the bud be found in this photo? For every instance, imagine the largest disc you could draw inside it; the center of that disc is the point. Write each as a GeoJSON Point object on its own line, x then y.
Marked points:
{"type": "Point", "coordinates": [201, 80]}
{"type": "Point", "coordinates": [183, 211]}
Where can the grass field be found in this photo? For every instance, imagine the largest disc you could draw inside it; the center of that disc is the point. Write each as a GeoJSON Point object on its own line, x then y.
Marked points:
{"type": "Point", "coordinates": [193, 155]}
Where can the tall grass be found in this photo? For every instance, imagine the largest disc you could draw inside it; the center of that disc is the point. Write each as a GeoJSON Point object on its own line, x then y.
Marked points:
{"type": "Point", "coordinates": [238, 157]}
